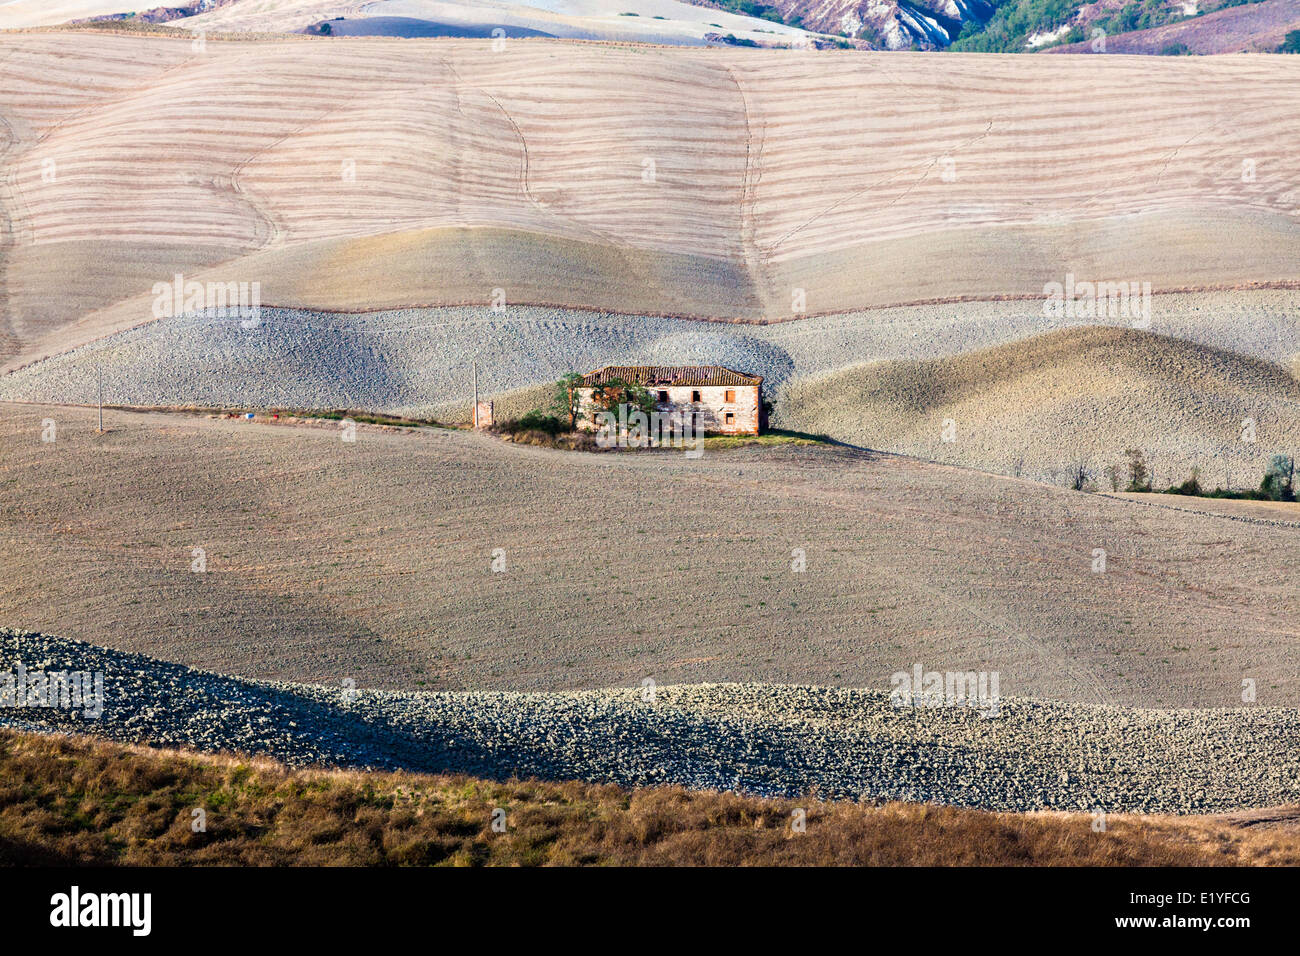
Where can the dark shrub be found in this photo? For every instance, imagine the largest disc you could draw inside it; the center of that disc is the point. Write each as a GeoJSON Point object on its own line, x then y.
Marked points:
{"type": "Point", "coordinates": [539, 421]}
{"type": "Point", "coordinates": [1192, 486]}
{"type": "Point", "coordinates": [1279, 478]}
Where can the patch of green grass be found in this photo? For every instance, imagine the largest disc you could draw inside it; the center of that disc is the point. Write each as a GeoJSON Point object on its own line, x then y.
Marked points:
{"type": "Point", "coordinates": [771, 437]}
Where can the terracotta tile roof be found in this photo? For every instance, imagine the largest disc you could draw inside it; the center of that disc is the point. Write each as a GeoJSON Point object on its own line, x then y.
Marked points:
{"type": "Point", "coordinates": [671, 375]}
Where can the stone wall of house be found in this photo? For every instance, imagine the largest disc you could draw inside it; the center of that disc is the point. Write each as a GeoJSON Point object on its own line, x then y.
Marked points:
{"type": "Point", "coordinates": [709, 403]}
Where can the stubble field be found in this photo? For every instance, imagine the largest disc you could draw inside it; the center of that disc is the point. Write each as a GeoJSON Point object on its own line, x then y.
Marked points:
{"type": "Point", "coordinates": [370, 174]}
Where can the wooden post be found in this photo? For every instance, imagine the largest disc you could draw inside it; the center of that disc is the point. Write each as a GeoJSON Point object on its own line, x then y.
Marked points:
{"type": "Point", "coordinates": [100, 370]}
{"type": "Point", "coordinates": [476, 396]}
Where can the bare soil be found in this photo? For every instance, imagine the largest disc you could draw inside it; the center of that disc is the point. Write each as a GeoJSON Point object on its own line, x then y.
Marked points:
{"type": "Point", "coordinates": [373, 559]}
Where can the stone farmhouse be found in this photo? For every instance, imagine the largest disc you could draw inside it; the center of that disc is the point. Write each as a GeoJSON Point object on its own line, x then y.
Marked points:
{"type": "Point", "coordinates": [721, 400]}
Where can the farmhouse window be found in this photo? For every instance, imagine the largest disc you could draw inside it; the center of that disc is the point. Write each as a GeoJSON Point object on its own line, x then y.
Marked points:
{"type": "Point", "coordinates": [731, 396]}
{"type": "Point", "coordinates": [731, 418]}
{"type": "Point", "coordinates": [663, 396]}
{"type": "Point", "coordinates": [695, 396]}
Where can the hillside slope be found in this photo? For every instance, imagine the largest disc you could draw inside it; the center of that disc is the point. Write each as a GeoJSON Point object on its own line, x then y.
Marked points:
{"type": "Point", "coordinates": [1250, 28]}
{"type": "Point", "coordinates": [889, 24]}
{"type": "Point", "coordinates": [373, 560]}
{"type": "Point", "coordinates": [646, 21]}
{"type": "Point", "coordinates": [263, 813]}
{"type": "Point", "coordinates": [749, 737]}
{"type": "Point", "coordinates": [377, 173]}
{"type": "Point", "coordinates": [1045, 404]}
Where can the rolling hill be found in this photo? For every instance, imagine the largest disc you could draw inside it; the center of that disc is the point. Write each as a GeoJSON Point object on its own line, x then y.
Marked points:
{"type": "Point", "coordinates": [1080, 396]}
{"type": "Point", "coordinates": [370, 173]}
{"type": "Point", "coordinates": [1249, 28]}
{"type": "Point", "coordinates": [325, 559]}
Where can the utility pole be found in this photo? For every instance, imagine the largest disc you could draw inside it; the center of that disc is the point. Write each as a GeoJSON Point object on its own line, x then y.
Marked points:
{"type": "Point", "coordinates": [100, 370]}
{"type": "Point", "coordinates": [476, 395]}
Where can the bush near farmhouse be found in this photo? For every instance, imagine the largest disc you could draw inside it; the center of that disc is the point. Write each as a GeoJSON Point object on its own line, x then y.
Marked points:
{"type": "Point", "coordinates": [615, 392]}
{"type": "Point", "coordinates": [1279, 478]}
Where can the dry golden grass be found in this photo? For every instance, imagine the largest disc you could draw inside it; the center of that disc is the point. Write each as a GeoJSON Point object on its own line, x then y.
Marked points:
{"type": "Point", "coordinates": [80, 801]}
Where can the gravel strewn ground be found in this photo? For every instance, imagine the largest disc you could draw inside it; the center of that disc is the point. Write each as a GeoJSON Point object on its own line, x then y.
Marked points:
{"type": "Point", "coordinates": [418, 362]}
{"type": "Point", "coordinates": [415, 359]}
{"type": "Point", "coordinates": [758, 738]}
